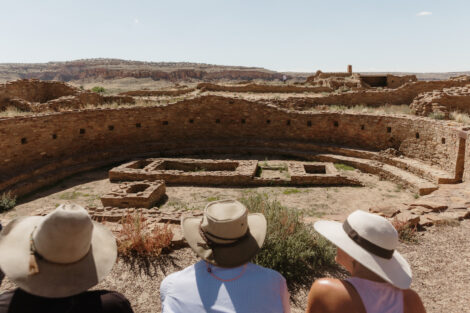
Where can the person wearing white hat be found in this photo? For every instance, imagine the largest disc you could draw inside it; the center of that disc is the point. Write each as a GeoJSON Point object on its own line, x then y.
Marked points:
{"type": "Point", "coordinates": [381, 277]}
{"type": "Point", "coordinates": [226, 238]}
{"type": "Point", "coordinates": [54, 259]}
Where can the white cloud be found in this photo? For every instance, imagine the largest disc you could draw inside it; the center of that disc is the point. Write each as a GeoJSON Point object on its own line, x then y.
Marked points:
{"type": "Point", "coordinates": [424, 13]}
{"type": "Point", "coordinates": [136, 21]}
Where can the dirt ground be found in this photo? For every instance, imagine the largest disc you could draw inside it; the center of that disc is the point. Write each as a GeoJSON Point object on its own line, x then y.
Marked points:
{"type": "Point", "coordinates": [440, 260]}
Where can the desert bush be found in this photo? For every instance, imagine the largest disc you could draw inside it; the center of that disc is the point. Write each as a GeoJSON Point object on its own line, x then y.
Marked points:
{"type": "Point", "coordinates": [98, 89]}
{"type": "Point", "coordinates": [291, 247]}
{"type": "Point", "coordinates": [463, 118]}
{"type": "Point", "coordinates": [7, 202]}
{"type": "Point", "coordinates": [136, 239]}
{"type": "Point", "coordinates": [406, 232]}
{"type": "Point", "coordinates": [437, 115]}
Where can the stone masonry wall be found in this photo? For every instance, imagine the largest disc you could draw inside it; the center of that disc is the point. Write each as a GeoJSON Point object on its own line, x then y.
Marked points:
{"type": "Point", "coordinates": [51, 146]}
{"type": "Point", "coordinates": [466, 174]}
{"type": "Point", "coordinates": [39, 96]}
{"type": "Point", "coordinates": [373, 98]}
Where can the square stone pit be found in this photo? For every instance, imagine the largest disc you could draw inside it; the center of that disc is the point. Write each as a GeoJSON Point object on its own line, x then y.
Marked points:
{"type": "Point", "coordinates": [142, 194]}
{"type": "Point", "coordinates": [317, 173]}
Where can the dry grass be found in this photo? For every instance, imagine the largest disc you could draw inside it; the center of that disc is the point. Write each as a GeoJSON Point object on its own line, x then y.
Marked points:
{"type": "Point", "coordinates": [136, 240]}
{"type": "Point", "coordinates": [385, 109]}
{"type": "Point", "coordinates": [463, 118]}
{"type": "Point", "coordinates": [12, 111]}
{"type": "Point", "coordinates": [406, 232]}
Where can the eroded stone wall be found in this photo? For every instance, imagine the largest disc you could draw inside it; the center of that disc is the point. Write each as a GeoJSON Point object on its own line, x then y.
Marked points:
{"type": "Point", "coordinates": [262, 88]}
{"type": "Point", "coordinates": [442, 101]}
{"type": "Point", "coordinates": [51, 146]}
{"type": "Point", "coordinates": [373, 98]}
{"type": "Point", "coordinates": [466, 173]}
{"type": "Point", "coordinates": [38, 96]}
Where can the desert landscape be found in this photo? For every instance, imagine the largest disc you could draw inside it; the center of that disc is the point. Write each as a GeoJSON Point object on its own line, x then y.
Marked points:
{"type": "Point", "coordinates": [157, 141]}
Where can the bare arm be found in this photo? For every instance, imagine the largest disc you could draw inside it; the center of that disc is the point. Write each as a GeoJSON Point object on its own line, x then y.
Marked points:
{"type": "Point", "coordinates": [285, 297]}
{"type": "Point", "coordinates": [412, 302]}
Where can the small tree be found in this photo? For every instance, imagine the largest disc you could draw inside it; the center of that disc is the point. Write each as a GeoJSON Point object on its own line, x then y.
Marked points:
{"type": "Point", "coordinates": [98, 89]}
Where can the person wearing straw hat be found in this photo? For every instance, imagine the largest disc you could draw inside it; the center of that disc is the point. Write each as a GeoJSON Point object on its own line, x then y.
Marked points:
{"type": "Point", "coordinates": [54, 259]}
{"type": "Point", "coordinates": [366, 247]}
{"type": "Point", "coordinates": [226, 238]}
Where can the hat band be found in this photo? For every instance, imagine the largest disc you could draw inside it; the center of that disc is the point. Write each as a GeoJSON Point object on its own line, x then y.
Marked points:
{"type": "Point", "coordinates": [366, 244]}
{"type": "Point", "coordinates": [230, 242]}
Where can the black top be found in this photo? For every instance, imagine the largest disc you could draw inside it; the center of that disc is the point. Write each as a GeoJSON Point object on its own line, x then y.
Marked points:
{"type": "Point", "coordinates": [98, 301]}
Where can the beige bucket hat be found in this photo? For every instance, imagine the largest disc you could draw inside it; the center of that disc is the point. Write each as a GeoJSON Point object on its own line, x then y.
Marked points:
{"type": "Point", "coordinates": [58, 255]}
{"type": "Point", "coordinates": [371, 240]}
{"type": "Point", "coordinates": [226, 235]}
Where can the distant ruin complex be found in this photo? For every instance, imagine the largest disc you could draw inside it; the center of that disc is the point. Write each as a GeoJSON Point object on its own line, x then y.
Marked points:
{"type": "Point", "coordinates": [38, 96]}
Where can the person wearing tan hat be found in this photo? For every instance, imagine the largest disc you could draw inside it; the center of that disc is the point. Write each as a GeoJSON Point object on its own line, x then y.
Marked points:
{"type": "Point", "coordinates": [381, 277]}
{"type": "Point", "coordinates": [54, 259]}
{"type": "Point", "coordinates": [226, 238]}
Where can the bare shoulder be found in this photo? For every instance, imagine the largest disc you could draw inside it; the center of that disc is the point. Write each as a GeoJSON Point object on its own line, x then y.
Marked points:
{"type": "Point", "coordinates": [412, 302]}
{"type": "Point", "coordinates": [328, 295]}
{"type": "Point", "coordinates": [327, 284]}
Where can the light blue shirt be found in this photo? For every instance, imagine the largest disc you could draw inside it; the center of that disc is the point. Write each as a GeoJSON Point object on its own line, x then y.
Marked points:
{"type": "Point", "coordinates": [194, 290]}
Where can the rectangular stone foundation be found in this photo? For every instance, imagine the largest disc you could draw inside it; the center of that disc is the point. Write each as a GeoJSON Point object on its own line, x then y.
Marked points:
{"type": "Point", "coordinates": [187, 171]}
{"type": "Point", "coordinates": [207, 172]}
{"type": "Point", "coordinates": [135, 194]}
{"type": "Point", "coordinates": [317, 174]}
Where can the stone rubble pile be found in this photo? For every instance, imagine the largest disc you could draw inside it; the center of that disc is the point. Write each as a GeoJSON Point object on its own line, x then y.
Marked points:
{"type": "Point", "coordinates": [450, 203]}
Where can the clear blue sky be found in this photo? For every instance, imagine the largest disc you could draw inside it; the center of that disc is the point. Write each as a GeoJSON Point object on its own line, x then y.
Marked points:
{"type": "Point", "coordinates": [372, 35]}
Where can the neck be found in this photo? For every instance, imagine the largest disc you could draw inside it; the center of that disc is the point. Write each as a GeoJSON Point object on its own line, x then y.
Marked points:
{"type": "Point", "coordinates": [364, 273]}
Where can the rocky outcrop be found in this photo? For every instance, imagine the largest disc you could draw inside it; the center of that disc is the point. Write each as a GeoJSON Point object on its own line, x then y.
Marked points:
{"type": "Point", "coordinates": [38, 96]}
{"type": "Point", "coordinates": [69, 74]}
{"type": "Point", "coordinates": [447, 205]}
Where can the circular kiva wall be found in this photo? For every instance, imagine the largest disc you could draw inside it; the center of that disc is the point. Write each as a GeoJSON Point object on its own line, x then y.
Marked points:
{"type": "Point", "coordinates": [39, 150]}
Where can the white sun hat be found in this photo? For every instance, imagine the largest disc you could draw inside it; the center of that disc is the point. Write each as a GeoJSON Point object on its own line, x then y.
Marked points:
{"type": "Point", "coordinates": [58, 255]}
{"type": "Point", "coordinates": [371, 240]}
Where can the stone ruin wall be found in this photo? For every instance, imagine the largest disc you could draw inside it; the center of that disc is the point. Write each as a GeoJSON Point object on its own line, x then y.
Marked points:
{"type": "Point", "coordinates": [36, 91]}
{"type": "Point", "coordinates": [157, 93]}
{"type": "Point", "coordinates": [41, 149]}
{"type": "Point", "coordinates": [442, 101]}
{"type": "Point", "coordinates": [261, 88]}
{"type": "Point", "coordinates": [373, 98]}
{"type": "Point", "coordinates": [394, 81]}
{"type": "Point", "coordinates": [37, 96]}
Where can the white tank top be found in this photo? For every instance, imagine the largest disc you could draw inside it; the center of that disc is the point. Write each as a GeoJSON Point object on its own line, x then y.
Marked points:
{"type": "Point", "coordinates": [378, 297]}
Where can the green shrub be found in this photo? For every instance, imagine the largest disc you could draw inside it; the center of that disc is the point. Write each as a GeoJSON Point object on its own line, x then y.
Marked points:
{"type": "Point", "coordinates": [344, 167]}
{"type": "Point", "coordinates": [291, 247]}
{"type": "Point", "coordinates": [291, 191]}
{"type": "Point", "coordinates": [98, 89]}
{"type": "Point", "coordinates": [7, 202]}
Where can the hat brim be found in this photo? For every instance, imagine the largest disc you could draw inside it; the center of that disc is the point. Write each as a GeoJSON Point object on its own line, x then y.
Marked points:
{"type": "Point", "coordinates": [231, 255]}
{"type": "Point", "coordinates": [54, 280]}
{"type": "Point", "coordinates": [396, 270]}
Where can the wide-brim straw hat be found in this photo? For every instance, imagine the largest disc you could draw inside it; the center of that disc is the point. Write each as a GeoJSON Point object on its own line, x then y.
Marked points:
{"type": "Point", "coordinates": [371, 240]}
{"type": "Point", "coordinates": [226, 235]}
{"type": "Point", "coordinates": [58, 255]}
